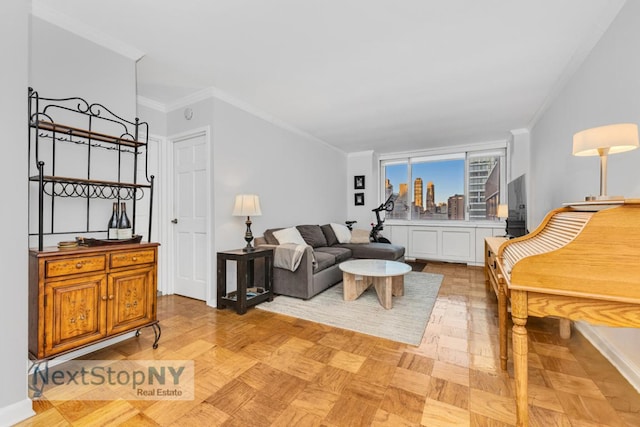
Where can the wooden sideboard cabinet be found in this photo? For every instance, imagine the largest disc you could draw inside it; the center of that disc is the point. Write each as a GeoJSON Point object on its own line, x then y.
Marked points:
{"type": "Point", "coordinates": [80, 296]}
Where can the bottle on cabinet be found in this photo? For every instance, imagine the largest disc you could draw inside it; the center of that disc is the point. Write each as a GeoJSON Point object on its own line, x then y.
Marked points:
{"type": "Point", "coordinates": [112, 232]}
{"type": "Point", "coordinates": [124, 225]}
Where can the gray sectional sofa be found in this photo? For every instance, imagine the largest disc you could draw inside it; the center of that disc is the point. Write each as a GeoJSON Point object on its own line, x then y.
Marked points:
{"type": "Point", "coordinates": [311, 278]}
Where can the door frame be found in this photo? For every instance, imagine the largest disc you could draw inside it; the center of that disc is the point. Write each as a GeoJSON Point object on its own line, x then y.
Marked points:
{"type": "Point", "coordinates": [159, 211]}
{"type": "Point", "coordinates": [168, 210]}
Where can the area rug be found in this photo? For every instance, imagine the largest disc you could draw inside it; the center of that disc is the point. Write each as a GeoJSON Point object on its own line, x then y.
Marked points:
{"type": "Point", "coordinates": [405, 322]}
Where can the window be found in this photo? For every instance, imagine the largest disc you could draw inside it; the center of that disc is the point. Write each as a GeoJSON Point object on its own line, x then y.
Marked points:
{"type": "Point", "coordinates": [395, 185]}
{"type": "Point", "coordinates": [456, 186]}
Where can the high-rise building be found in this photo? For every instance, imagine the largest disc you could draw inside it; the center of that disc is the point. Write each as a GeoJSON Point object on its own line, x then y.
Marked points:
{"type": "Point", "coordinates": [479, 170]}
{"type": "Point", "coordinates": [403, 190]}
{"type": "Point", "coordinates": [388, 188]}
{"type": "Point", "coordinates": [417, 193]}
{"type": "Point", "coordinates": [431, 198]}
{"type": "Point", "coordinates": [455, 207]}
{"type": "Point", "coordinates": [492, 192]}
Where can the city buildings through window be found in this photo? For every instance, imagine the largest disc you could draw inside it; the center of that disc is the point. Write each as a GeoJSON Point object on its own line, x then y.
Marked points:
{"type": "Point", "coordinates": [462, 186]}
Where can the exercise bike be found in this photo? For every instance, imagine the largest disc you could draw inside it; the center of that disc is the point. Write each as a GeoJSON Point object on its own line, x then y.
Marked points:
{"type": "Point", "coordinates": [387, 206]}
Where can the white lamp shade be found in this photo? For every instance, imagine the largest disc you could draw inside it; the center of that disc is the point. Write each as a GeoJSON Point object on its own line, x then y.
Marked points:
{"type": "Point", "coordinates": [617, 138]}
{"type": "Point", "coordinates": [503, 211]}
{"type": "Point", "coordinates": [247, 205]}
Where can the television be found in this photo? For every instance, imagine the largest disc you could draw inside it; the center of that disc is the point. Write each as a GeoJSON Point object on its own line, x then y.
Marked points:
{"type": "Point", "coordinates": [517, 200]}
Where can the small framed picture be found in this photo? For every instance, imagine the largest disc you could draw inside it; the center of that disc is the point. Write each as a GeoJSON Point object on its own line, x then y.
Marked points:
{"type": "Point", "coordinates": [358, 182]}
{"type": "Point", "coordinates": [359, 199]}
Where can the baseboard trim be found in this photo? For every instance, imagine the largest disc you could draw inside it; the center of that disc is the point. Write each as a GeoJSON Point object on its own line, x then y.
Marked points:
{"type": "Point", "coordinates": [630, 371]}
{"type": "Point", "coordinates": [13, 414]}
{"type": "Point", "coordinates": [89, 349]}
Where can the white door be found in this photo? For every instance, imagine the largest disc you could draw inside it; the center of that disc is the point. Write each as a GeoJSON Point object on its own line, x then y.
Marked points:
{"type": "Point", "coordinates": [190, 214]}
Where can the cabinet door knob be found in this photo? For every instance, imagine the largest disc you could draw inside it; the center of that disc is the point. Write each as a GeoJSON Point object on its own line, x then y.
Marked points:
{"type": "Point", "coordinates": [104, 297]}
{"type": "Point", "coordinates": [79, 265]}
{"type": "Point", "coordinates": [134, 259]}
{"type": "Point", "coordinates": [110, 297]}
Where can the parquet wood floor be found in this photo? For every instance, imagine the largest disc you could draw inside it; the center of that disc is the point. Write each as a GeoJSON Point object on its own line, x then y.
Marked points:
{"type": "Point", "coordinates": [264, 369]}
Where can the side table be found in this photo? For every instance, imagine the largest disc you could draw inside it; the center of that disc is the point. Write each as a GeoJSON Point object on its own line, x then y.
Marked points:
{"type": "Point", "coordinates": [247, 294]}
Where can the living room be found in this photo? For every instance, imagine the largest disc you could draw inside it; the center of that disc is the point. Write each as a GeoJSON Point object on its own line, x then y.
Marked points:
{"type": "Point", "coordinates": [251, 151]}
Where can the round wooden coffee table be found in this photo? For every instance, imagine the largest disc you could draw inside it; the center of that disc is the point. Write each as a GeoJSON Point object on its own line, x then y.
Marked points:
{"type": "Point", "coordinates": [387, 277]}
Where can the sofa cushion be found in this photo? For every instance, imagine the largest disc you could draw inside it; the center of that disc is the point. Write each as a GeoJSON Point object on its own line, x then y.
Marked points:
{"type": "Point", "coordinates": [327, 230]}
{"type": "Point", "coordinates": [289, 235]}
{"type": "Point", "coordinates": [343, 234]}
{"type": "Point", "coordinates": [323, 260]}
{"type": "Point", "coordinates": [375, 251]}
{"type": "Point", "coordinates": [269, 237]}
{"type": "Point", "coordinates": [359, 235]}
{"type": "Point", "coordinates": [313, 235]}
{"type": "Point", "coordinates": [341, 254]}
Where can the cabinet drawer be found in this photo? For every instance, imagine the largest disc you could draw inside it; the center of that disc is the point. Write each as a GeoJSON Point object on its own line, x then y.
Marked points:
{"type": "Point", "coordinates": [68, 266]}
{"type": "Point", "coordinates": [123, 259]}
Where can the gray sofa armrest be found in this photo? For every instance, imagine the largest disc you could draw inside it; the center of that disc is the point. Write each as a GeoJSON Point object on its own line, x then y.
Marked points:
{"type": "Point", "coordinates": [296, 283]}
{"type": "Point", "coordinates": [293, 283]}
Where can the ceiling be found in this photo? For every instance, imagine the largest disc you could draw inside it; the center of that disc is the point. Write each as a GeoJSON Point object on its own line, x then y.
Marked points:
{"type": "Point", "coordinates": [377, 75]}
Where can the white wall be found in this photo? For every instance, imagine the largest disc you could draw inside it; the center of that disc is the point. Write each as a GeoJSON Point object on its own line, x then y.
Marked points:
{"type": "Point", "coordinates": [519, 149]}
{"type": "Point", "coordinates": [14, 33]}
{"type": "Point", "coordinates": [157, 119]}
{"type": "Point", "coordinates": [64, 64]}
{"type": "Point", "coordinates": [299, 180]}
{"type": "Point", "coordinates": [606, 89]}
{"type": "Point", "coordinates": [362, 163]}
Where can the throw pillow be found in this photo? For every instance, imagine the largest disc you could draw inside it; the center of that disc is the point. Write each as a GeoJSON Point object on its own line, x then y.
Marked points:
{"type": "Point", "coordinates": [329, 235]}
{"type": "Point", "coordinates": [289, 235]}
{"type": "Point", "coordinates": [342, 232]}
{"type": "Point", "coordinates": [313, 235]}
{"type": "Point", "coordinates": [360, 236]}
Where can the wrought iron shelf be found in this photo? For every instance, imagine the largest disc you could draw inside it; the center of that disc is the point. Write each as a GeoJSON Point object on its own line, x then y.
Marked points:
{"type": "Point", "coordinates": [81, 181]}
{"type": "Point", "coordinates": [86, 134]}
{"type": "Point", "coordinates": [95, 126]}
{"type": "Point", "coordinates": [94, 189]}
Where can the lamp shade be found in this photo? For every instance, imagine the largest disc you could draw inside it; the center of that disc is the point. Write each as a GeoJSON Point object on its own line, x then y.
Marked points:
{"type": "Point", "coordinates": [617, 138]}
{"type": "Point", "coordinates": [503, 211]}
{"type": "Point", "coordinates": [247, 205]}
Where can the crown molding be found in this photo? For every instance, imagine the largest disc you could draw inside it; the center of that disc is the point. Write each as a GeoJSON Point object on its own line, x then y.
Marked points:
{"type": "Point", "coordinates": [213, 92]}
{"type": "Point", "coordinates": [46, 13]}
{"type": "Point", "coordinates": [185, 101]}
{"type": "Point", "coordinates": [150, 103]}
{"type": "Point", "coordinates": [363, 153]}
{"type": "Point", "coordinates": [520, 131]}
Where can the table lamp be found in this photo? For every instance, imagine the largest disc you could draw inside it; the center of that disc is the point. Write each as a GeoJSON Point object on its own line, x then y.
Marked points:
{"type": "Point", "coordinates": [247, 205]}
{"type": "Point", "coordinates": [602, 141]}
{"type": "Point", "coordinates": [503, 213]}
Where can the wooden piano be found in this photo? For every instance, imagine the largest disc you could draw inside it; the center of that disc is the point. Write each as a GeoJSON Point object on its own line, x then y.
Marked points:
{"type": "Point", "coordinates": [581, 263]}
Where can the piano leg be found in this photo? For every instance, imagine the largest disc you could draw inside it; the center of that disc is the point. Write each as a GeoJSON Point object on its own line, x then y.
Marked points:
{"type": "Point", "coordinates": [520, 353]}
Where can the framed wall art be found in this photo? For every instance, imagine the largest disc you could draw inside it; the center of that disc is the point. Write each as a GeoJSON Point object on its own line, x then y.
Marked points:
{"type": "Point", "coordinates": [358, 182]}
{"type": "Point", "coordinates": [359, 199]}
